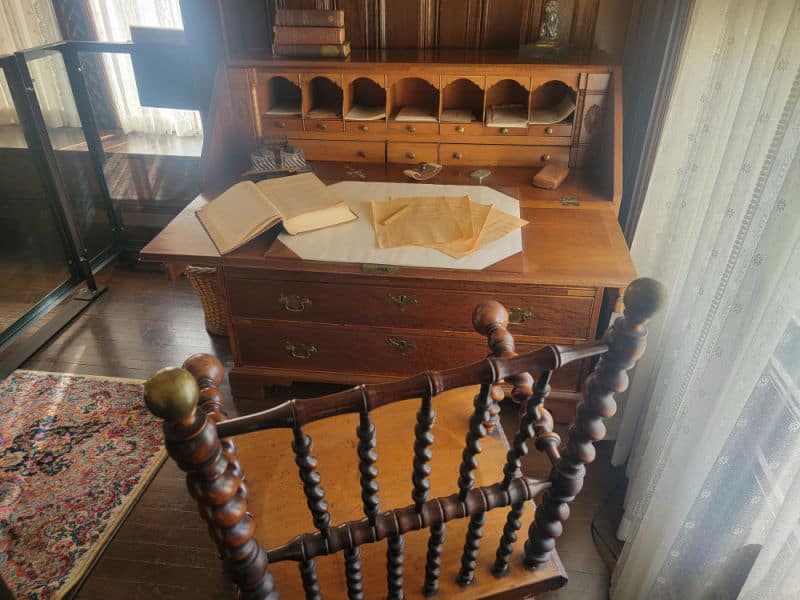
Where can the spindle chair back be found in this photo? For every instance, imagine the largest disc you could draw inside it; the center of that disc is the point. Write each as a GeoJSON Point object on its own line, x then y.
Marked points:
{"type": "Point", "coordinates": [200, 439]}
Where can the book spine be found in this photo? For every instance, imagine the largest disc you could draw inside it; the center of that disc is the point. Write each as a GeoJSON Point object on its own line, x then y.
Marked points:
{"type": "Point", "coordinates": [309, 18]}
{"type": "Point", "coordinates": [308, 35]}
{"type": "Point", "coordinates": [312, 50]}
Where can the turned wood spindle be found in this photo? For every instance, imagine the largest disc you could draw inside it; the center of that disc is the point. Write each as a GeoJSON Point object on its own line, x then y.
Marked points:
{"type": "Point", "coordinates": [315, 498]}
{"type": "Point", "coordinates": [213, 479]}
{"type": "Point", "coordinates": [512, 469]}
{"type": "Point", "coordinates": [626, 343]}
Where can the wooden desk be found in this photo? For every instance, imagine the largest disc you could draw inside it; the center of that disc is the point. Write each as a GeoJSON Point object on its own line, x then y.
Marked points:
{"type": "Point", "coordinates": [299, 320]}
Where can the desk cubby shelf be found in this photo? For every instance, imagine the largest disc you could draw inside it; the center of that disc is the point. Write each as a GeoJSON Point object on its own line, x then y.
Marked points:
{"type": "Point", "coordinates": [473, 110]}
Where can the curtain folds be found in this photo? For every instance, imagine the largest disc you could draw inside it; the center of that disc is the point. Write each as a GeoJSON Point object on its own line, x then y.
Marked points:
{"type": "Point", "coordinates": [711, 421]}
{"type": "Point", "coordinates": [27, 24]}
{"type": "Point", "coordinates": [112, 20]}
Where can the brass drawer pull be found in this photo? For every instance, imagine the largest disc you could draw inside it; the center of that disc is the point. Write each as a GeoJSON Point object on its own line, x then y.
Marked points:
{"type": "Point", "coordinates": [548, 130]}
{"type": "Point", "coordinates": [545, 157]}
{"type": "Point", "coordinates": [460, 129]}
{"type": "Point", "coordinates": [402, 300]}
{"type": "Point", "coordinates": [504, 130]}
{"type": "Point", "coordinates": [280, 124]}
{"type": "Point", "coordinates": [518, 316]}
{"type": "Point", "coordinates": [364, 128]}
{"type": "Point", "coordinates": [300, 350]}
{"type": "Point", "coordinates": [361, 154]}
{"type": "Point", "coordinates": [458, 155]}
{"type": "Point", "coordinates": [401, 346]}
{"type": "Point", "coordinates": [410, 155]}
{"type": "Point", "coordinates": [294, 302]}
{"type": "Point", "coordinates": [322, 126]}
{"type": "Point", "coordinates": [410, 128]}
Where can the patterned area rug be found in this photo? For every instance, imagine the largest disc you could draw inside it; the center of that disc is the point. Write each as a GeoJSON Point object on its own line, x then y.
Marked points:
{"type": "Point", "coordinates": [75, 454]}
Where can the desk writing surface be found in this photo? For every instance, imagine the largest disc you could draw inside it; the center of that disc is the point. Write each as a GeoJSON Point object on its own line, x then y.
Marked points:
{"type": "Point", "coordinates": [561, 246]}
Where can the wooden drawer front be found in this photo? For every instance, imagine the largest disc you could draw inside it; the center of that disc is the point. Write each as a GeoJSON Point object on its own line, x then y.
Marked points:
{"type": "Point", "coordinates": [366, 128]}
{"type": "Point", "coordinates": [504, 131]}
{"type": "Point", "coordinates": [409, 153]}
{"type": "Point", "coordinates": [355, 151]}
{"type": "Point", "coordinates": [272, 125]}
{"type": "Point", "coordinates": [315, 347]}
{"type": "Point", "coordinates": [552, 132]}
{"type": "Point", "coordinates": [323, 125]}
{"type": "Point", "coordinates": [563, 317]}
{"type": "Point", "coordinates": [498, 155]}
{"type": "Point", "coordinates": [411, 128]}
{"type": "Point", "coordinates": [457, 129]}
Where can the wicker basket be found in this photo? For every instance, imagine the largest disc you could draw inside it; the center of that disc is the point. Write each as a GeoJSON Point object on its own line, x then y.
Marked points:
{"type": "Point", "coordinates": [204, 282]}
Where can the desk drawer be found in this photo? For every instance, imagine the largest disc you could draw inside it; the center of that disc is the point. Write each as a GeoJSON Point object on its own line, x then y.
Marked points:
{"type": "Point", "coordinates": [274, 125]}
{"type": "Point", "coordinates": [355, 151]}
{"type": "Point", "coordinates": [366, 128]}
{"type": "Point", "coordinates": [411, 153]}
{"type": "Point", "coordinates": [374, 351]}
{"type": "Point", "coordinates": [413, 128]}
{"type": "Point", "coordinates": [562, 317]}
{"type": "Point", "coordinates": [501, 155]}
{"type": "Point", "coordinates": [322, 125]}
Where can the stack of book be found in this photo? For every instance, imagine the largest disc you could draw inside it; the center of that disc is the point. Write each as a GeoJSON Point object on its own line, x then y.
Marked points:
{"type": "Point", "coordinates": [310, 33]}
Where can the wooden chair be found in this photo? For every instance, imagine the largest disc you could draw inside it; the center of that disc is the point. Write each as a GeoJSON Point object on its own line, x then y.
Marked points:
{"type": "Point", "coordinates": [434, 543]}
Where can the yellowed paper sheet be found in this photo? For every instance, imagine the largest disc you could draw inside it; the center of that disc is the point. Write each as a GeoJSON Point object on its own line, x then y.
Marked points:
{"type": "Point", "coordinates": [305, 202]}
{"type": "Point", "coordinates": [423, 221]}
{"type": "Point", "coordinates": [458, 248]}
{"type": "Point", "coordinates": [237, 215]}
{"type": "Point", "coordinates": [498, 224]}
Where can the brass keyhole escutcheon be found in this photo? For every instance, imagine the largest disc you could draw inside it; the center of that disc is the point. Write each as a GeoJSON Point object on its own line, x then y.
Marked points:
{"type": "Point", "coordinates": [410, 155]}
{"type": "Point", "coordinates": [280, 124]}
{"type": "Point", "coordinates": [294, 302]}
{"type": "Point", "coordinates": [548, 130]}
{"type": "Point", "coordinates": [365, 128]}
{"type": "Point", "coordinates": [518, 316]}
{"type": "Point", "coordinates": [361, 154]}
{"type": "Point", "coordinates": [322, 126]}
{"type": "Point", "coordinates": [401, 346]}
{"type": "Point", "coordinates": [402, 301]}
{"type": "Point", "coordinates": [410, 128]}
{"type": "Point", "coordinates": [458, 155]}
{"type": "Point", "coordinates": [545, 157]}
{"type": "Point", "coordinates": [504, 130]}
{"type": "Point", "coordinates": [302, 351]}
{"type": "Point", "coordinates": [460, 129]}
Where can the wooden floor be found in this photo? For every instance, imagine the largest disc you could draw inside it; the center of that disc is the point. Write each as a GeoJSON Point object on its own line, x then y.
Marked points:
{"type": "Point", "coordinates": [163, 550]}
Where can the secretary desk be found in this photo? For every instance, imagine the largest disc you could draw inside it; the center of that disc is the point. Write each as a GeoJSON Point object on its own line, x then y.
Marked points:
{"type": "Point", "coordinates": [291, 319]}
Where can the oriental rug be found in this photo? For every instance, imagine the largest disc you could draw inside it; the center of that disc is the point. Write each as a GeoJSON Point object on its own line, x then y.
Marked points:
{"type": "Point", "coordinates": [75, 454]}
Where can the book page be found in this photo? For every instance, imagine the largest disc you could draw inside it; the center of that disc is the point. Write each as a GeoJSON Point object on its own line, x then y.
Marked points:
{"type": "Point", "coordinates": [366, 113]}
{"type": "Point", "coordinates": [555, 114]}
{"type": "Point", "coordinates": [305, 202]}
{"type": "Point", "coordinates": [421, 221]}
{"type": "Point", "coordinates": [237, 215]}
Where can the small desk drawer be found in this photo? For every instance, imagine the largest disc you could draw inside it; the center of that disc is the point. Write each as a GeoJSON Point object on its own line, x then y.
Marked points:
{"type": "Point", "coordinates": [271, 125]}
{"type": "Point", "coordinates": [501, 155]}
{"type": "Point", "coordinates": [411, 153]}
{"type": "Point", "coordinates": [504, 131]}
{"type": "Point", "coordinates": [551, 131]}
{"type": "Point", "coordinates": [355, 151]}
{"type": "Point", "coordinates": [375, 351]}
{"type": "Point", "coordinates": [564, 317]}
{"type": "Point", "coordinates": [457, 129]}
{"type": "Point", "coordinates": [366, 128]}
{"type": "Point", "coordinates": [413, 128]}
{"type": "Point", "coordinates": [322, 125]}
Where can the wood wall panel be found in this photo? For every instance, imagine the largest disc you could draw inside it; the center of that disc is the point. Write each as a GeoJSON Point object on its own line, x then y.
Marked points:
{"type": "Point", "coordinates": [378, 24]}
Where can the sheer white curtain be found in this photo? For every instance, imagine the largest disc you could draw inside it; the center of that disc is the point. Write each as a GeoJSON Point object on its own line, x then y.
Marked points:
{"type": "Point", "coordinates": [27, 24]}
{"type": "Point", "coordinates": [711, 425]}
{"type": "Point", "coordinates": [113, 19]}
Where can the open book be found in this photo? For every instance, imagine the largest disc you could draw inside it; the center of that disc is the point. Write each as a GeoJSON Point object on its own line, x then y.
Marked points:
{"type": "Point", "coordinates": [246, 210]}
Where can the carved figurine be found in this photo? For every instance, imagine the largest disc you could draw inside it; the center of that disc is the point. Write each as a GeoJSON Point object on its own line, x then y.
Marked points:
{"type": "Point", "coordinates": [548, 32]}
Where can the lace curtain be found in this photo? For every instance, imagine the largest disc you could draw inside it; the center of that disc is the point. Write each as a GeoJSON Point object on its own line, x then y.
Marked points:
{"type": "Point", "coordinates": [27, 24]}
{"type": "Point", "coordinates": [112, 20]}
{"type": "Point", "coordinates": [711, 423]}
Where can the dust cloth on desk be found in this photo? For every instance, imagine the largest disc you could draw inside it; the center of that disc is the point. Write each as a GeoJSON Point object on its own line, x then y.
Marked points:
{"type": "Point", "coordinates": [455, 226]}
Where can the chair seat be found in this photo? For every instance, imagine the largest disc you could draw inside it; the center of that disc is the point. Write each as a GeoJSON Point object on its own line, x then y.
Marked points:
{"type": "Point", "coordinates": [282, 516]}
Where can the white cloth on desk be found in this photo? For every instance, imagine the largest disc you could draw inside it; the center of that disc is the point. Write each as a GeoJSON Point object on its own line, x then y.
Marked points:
{"type": "Point", "coordinates": [354, 242]}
